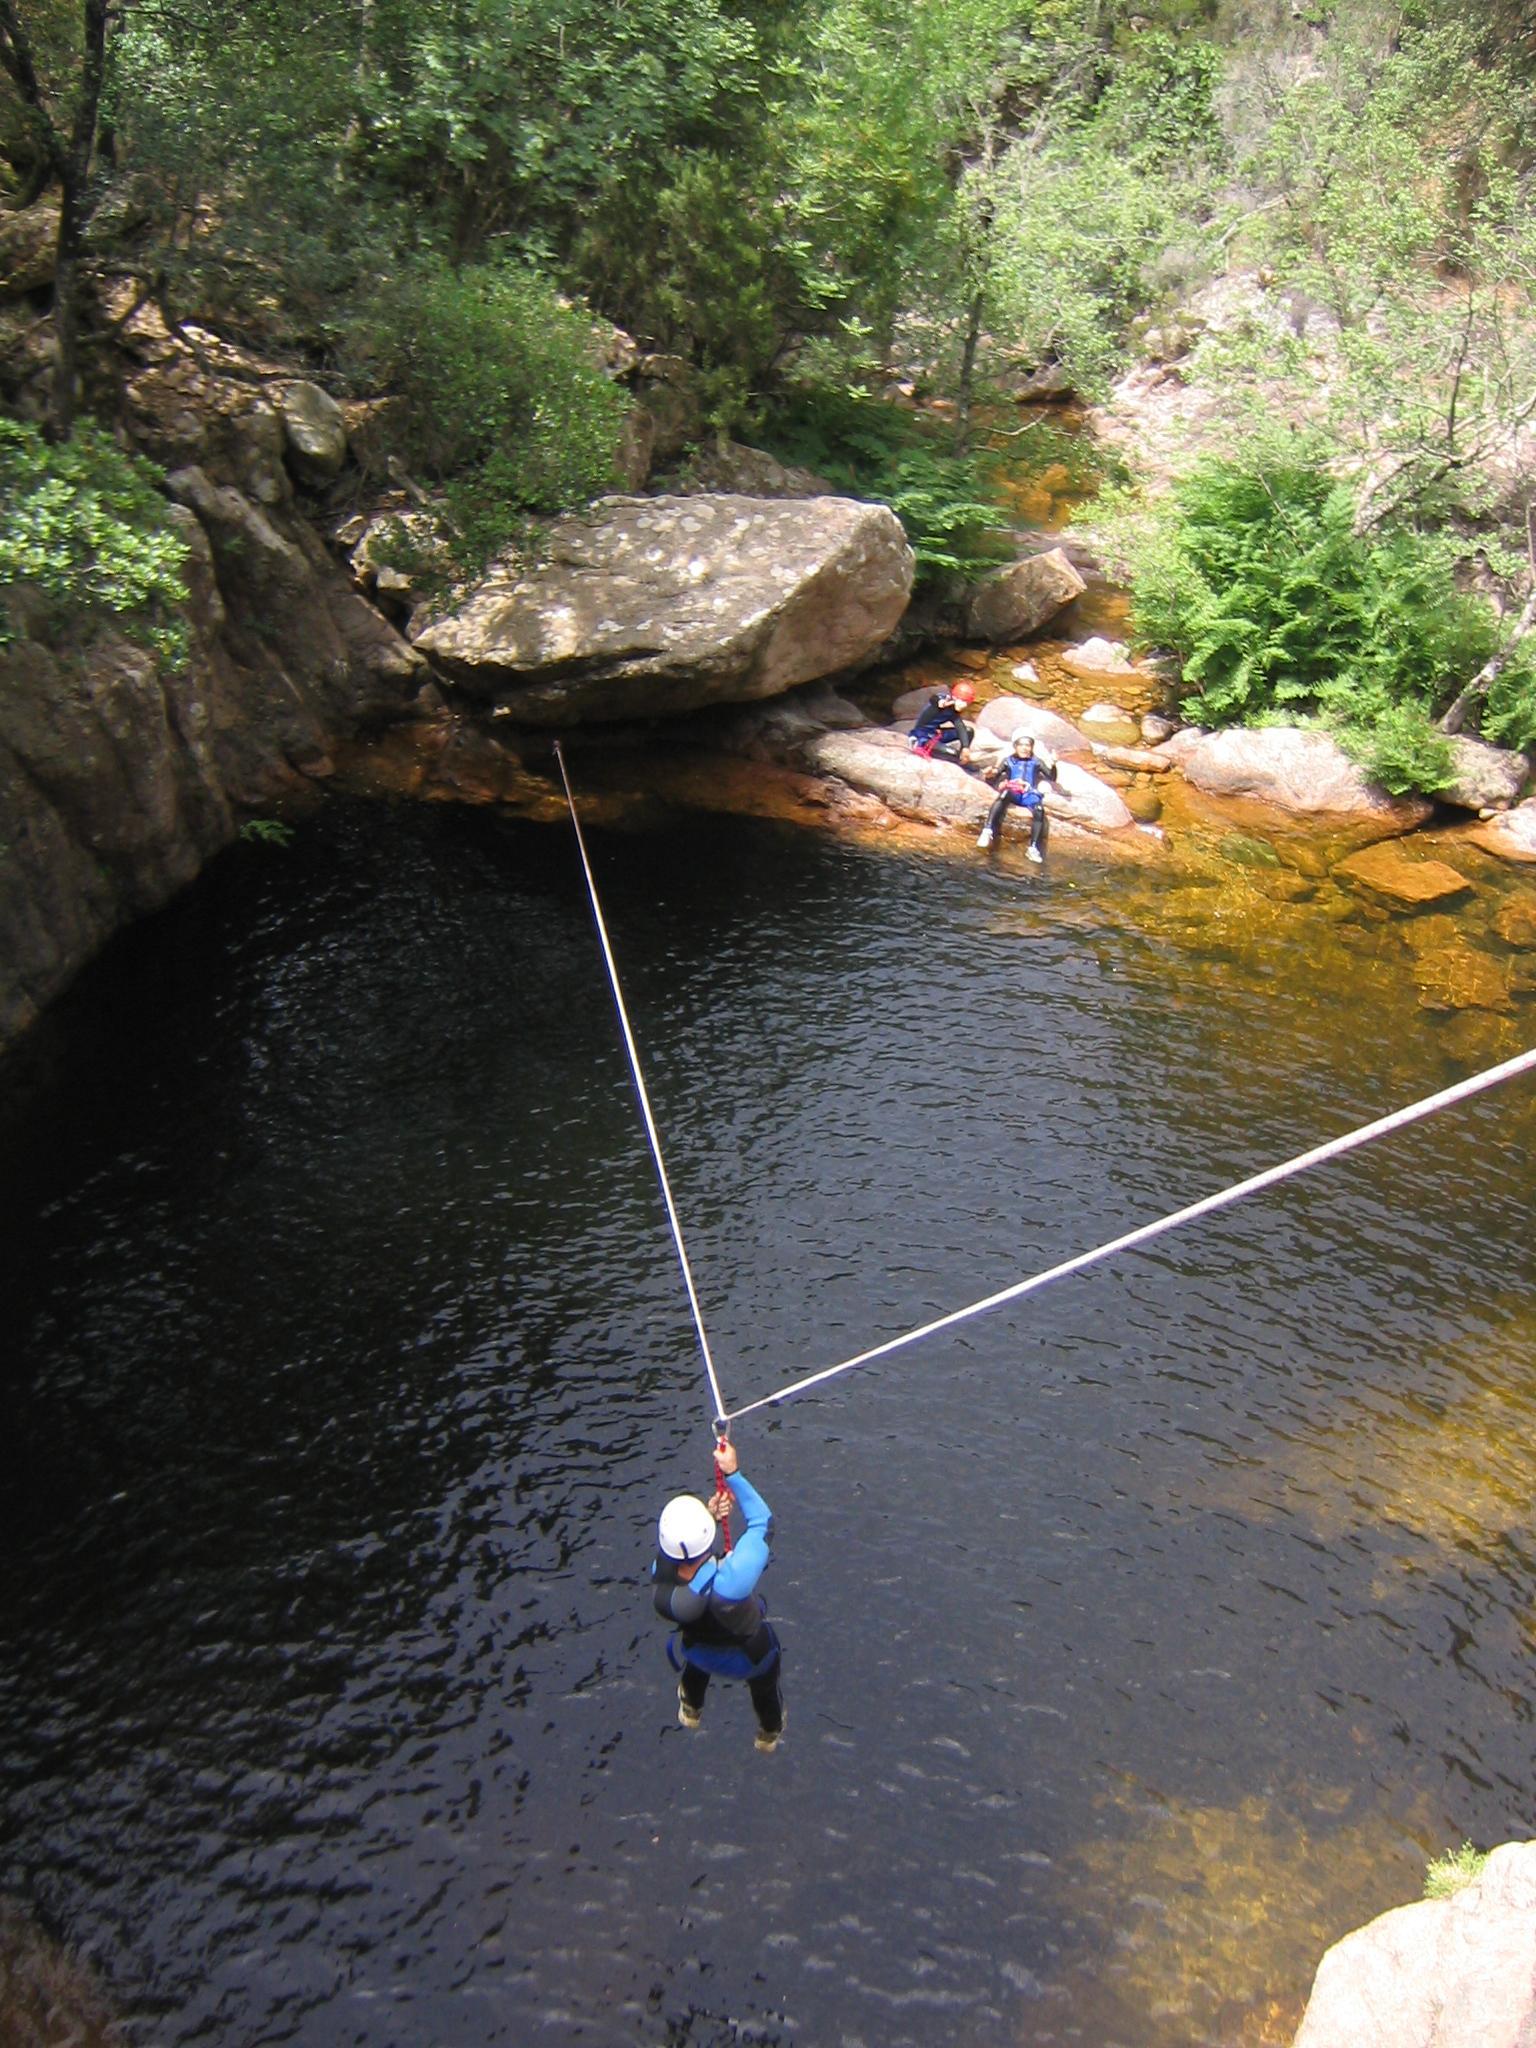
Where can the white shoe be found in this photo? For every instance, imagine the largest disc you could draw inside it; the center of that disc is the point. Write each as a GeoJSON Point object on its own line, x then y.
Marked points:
{"type": "Point", "coordinates": [984, 838]}
{"type": "Point", "coordinates": [688, 1716]}
{"type": "Point", "coordinates": [1033, 853]}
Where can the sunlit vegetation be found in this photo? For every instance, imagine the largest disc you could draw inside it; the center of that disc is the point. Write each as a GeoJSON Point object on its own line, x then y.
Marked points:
{"type": "Point", "coordinates": [797, 201]}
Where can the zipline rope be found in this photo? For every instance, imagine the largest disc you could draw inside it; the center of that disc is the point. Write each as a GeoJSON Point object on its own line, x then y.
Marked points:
{"type": "Point", "coordinates": [1333, 1149]}
{"type": "Point", "coordinates": [645, 1100]}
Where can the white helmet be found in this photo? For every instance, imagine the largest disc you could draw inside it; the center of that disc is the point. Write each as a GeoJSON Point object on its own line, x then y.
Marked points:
{"type": "Point", "coordinates": [1021, 740]}
{"type": "Point", "coordinates": [686, 1529]}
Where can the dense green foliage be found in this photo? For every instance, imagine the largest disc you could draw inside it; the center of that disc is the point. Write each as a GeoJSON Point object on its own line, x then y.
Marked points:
{"type": "Point", "coordinates": [1252, 572]}
{"type": "Point", "coordinates": [85, 532]}
{"type": "Point", "coordinates": [507, 404]}
{"type": "Point", "coordinates": [797, 198]}
{"type": "Point", "coordinates": [871, 450]}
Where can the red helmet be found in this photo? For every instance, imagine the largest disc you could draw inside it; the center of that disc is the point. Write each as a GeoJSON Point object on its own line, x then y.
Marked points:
{"type": "Point", "coordinates": [963, 693]}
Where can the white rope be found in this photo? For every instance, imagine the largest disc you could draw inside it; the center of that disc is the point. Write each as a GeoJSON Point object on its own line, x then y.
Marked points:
{"type": "Point", "coordinates": [645, 1100]}
{"type": "Point", "coordinates": [1333, 1149]}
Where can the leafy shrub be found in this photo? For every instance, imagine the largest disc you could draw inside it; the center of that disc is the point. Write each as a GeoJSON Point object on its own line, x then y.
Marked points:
{"type": "Point", "coordinates": [1509, 715]}
{"type": "Point", "coordinates": [85, 527]}
{"type": "Point", "coordinates": [1252, 573]}
{"type": "Point", "coordinates": [1399, 747]}
{"type": "Point", "coordinates": [509, 408]}
{"type": "Point", "coordinates": [873, 451]}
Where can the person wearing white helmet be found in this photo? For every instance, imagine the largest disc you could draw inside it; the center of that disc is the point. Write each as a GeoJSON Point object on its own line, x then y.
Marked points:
{"type": "Point", "coordinates": [722, 1620]}
{"type": "Point", "coordinates": [938, 732]}
{"type": "Point", "coordinates": [1021, 780]}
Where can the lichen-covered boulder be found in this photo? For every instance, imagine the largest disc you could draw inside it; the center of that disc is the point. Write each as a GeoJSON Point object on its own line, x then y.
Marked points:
{"type": "Point", "coordinates": [1487, 778]}
{"type": "Point", "coordinates": [650, 606]}
{"type": "Point", "coordinates": [1286, 765]}
{"type": "Point", "coordinates": [28, 246]}
{"type": "Point", "coordinates": [1012, 603]}
{"type": "Point", "coordinates": [314, 430]}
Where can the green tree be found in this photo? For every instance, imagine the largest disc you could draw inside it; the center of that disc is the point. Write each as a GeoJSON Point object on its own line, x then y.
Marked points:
{"type": "Point", "coordinates": [58, 84]}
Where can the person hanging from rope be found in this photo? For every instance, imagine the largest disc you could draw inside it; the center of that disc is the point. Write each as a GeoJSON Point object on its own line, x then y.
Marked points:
{"type": "Point", "coordinates": [710, 1590]}
{"type": "Point", "coordinates": [1020, 779]}
{"type": "Point", "coordinates": [939, 733]}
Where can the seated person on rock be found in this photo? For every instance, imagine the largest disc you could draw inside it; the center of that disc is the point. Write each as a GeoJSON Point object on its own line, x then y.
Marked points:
{"type": "Point", "coordinates": [940, 733]}
{"type": "Point", "coordinates": [1021, 780]}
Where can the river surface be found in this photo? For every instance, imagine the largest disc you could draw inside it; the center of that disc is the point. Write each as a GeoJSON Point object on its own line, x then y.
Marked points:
{"type": "Point", "coordinates": [1139, 1640]}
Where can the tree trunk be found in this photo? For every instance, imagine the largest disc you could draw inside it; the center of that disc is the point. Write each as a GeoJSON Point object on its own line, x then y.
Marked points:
{"type": "Point", "coordinates": [72, 159]}
{"type": "Point", "coordinates": [1456, 716]}
{"type": "Point", "coordinates": [967, 386]}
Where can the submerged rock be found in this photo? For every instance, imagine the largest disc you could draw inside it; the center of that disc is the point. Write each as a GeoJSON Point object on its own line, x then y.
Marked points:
{"type": "Point", "coordinates": [1515, 924]}
{"type": "Point", "coordinates": [648, 606]}
{"type": "Point", "coordinates": [1391, 877]}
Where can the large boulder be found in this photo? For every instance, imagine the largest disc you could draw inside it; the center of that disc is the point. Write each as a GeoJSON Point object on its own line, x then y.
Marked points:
{"type": "Point", "coordinates": [315, 431]}
{"type": "Point", "coordinates": [1446, 1973]}
{"type": "Point", "coordinates": [650, 606]}
{"type": "Point", "coordinates": [1004, 716]}
{"type": "Point", "coordinates": [1012, 603]}
{"type": "Point", "coordinates": [733, 467]}
{"type": "Point", "coordinates": [880, 761]}
{"type": "Point", "coordinates": [1288, 766]}
{"type": "Point", "coordinates": [1487, 778]}
{"type": "Point", "coordinates": [119, 777]}
{"type": "Point", "coordinates": [28, 244]}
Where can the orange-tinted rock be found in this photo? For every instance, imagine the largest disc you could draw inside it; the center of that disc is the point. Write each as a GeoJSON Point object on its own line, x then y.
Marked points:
{"type": "Point", "coordinates": [1516, 925]}
{"type": "Point", "coordinates": [1387, 874]}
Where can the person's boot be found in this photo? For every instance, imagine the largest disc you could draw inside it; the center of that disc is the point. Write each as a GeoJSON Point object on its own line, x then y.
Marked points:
{"type": "Point", "coordinates": [766, 1740]}
{"type": "Point", "coordinates": [688, 1715]}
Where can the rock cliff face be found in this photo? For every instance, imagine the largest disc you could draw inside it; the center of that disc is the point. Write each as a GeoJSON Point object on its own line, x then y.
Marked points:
{"type": "Point", "coordinates": [118, 780]}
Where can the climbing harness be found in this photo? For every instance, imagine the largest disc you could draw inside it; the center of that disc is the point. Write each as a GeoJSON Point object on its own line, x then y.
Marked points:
{"type": "Point", "coordinates": [1333, 1148]}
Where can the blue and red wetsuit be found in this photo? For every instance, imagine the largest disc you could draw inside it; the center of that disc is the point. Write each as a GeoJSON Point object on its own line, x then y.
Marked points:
{"type": "Point", "coordinates": [723, 1629]}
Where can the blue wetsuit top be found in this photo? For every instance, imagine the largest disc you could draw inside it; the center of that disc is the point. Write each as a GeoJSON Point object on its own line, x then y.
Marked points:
{"type": "Point", "coordinates": [1022, 776]}
{"type": "Point", "coordinates": [720, 1613]}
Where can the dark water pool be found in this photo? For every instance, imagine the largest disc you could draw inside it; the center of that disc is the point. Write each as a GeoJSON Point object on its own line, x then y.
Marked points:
{"type": "Point", "coordinates": [1139, 1641]}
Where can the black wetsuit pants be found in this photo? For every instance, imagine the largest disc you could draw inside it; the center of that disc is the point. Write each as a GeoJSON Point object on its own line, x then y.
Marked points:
{"type": "Point", "coordinates": [767, 1700]}
{"type": "Point", "coordinates": [1000, 810]}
